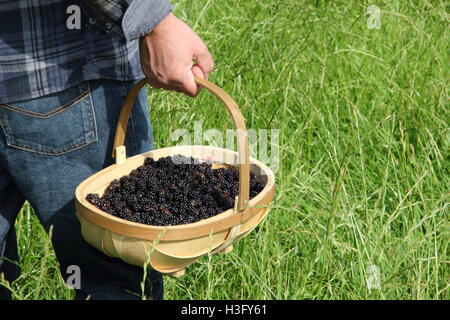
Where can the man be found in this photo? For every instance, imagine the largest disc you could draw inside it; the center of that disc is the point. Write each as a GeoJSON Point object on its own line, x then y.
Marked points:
{"type": "Point", "coordinates": [61, 89]}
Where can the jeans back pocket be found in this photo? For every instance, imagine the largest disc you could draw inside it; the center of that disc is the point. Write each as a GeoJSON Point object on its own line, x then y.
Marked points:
{"type": "Point", "coordinates": [54, 124]}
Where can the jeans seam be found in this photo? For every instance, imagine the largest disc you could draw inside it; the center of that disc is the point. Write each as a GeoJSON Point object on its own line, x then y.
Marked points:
{"type": "Point", "coordinates": [91, 120]}
{"type": "Point", "coordinates": [48, 114]}
{"type": "Point", "coordinates": [61, 153]}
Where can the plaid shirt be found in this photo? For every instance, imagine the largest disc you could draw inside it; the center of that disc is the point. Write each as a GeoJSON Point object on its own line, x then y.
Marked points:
{"type": "Point", "coordinates": [40, 54]}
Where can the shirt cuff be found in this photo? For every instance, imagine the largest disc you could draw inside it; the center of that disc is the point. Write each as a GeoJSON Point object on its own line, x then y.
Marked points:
{"type": "Point", "coordinates": [142, 16]}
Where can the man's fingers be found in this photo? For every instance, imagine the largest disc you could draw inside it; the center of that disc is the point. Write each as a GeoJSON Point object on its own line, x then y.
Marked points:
{"type": "Point", "coordinates": [204, 60]}
{"type": "Point", "coordinates": [188, 84]}
{"type": "Point", "coordinates": [198, 72]}
{"type": "Point", "coordinates": [181, 82]}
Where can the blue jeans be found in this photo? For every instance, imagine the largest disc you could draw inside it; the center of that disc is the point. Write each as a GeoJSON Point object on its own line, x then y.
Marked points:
{"type": "Point", "coordinates": [48, 146]}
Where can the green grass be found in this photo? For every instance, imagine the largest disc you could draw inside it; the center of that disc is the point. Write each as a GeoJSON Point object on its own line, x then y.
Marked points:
{"type": "Point", "coordinates": [364, 142]}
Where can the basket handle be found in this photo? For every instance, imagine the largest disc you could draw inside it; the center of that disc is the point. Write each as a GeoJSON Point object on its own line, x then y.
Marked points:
{"type": "Point", "coordinates": [233, 110]}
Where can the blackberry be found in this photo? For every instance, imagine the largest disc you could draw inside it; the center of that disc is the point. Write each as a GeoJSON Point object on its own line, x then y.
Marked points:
{"type": "Point", "coordinates": [172, 191]}
{"type": "Point", "coordinates": [148, 161]}
{"type": "Point", "coordinates": [93, 198]}
{"type": "Point", "coordinates": [129, 185]}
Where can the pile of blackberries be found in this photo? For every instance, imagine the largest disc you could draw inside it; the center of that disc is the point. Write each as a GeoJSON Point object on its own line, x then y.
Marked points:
{"type": "Point", "coordinates": [172, 191]}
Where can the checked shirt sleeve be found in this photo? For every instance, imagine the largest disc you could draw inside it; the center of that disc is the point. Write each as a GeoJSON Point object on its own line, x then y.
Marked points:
{"type": "Point", "coordinates": [125, 20]}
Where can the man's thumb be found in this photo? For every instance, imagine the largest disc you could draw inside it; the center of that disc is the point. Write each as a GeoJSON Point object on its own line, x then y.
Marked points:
{"type": "Point", "coordinates": [197, 71]}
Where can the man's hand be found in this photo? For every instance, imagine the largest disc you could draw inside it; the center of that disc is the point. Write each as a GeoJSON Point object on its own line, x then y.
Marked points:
{"type": "Point", "coordinates": [168, 53]}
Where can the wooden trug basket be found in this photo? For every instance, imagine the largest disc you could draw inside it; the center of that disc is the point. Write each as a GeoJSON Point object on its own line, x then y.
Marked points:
{"type": "Point", "coordinates": [169, 249]}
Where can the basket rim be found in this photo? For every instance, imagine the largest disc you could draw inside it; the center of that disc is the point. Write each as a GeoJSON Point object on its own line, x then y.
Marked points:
{"type": "Point", "coordinates": [95, 215]}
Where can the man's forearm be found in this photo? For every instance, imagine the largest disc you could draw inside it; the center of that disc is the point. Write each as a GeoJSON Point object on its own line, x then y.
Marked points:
{"type": "Point", "coordinates": [125, 20]}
